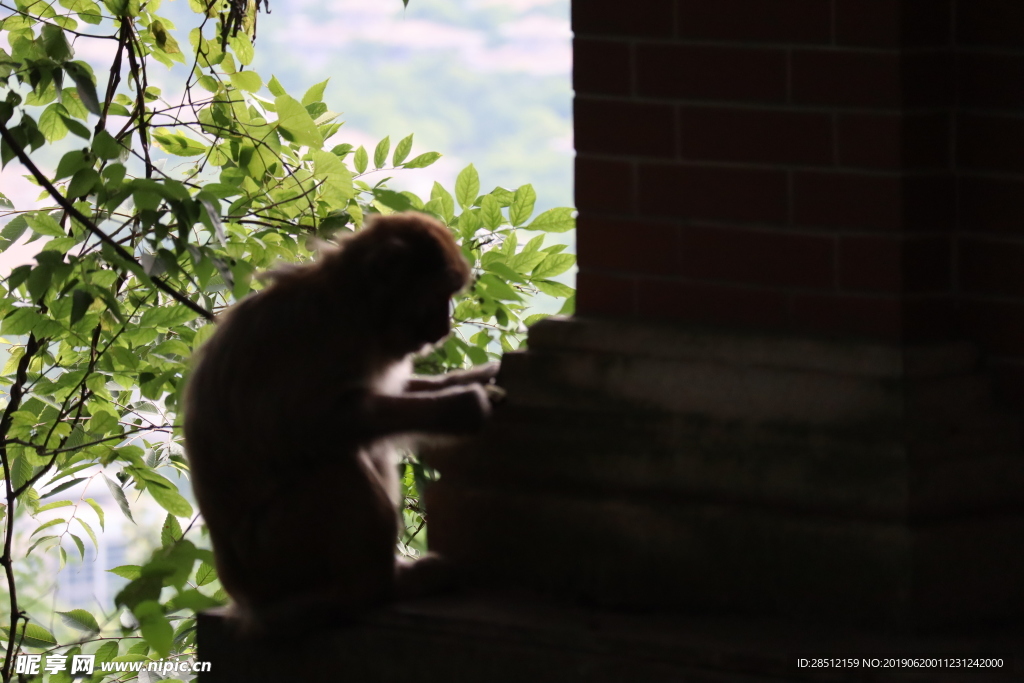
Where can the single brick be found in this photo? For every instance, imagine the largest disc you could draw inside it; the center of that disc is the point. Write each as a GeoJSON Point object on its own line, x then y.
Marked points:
{"type": "Point", "coordinates": [779, 21]}
{"type": "Point", "coordinates": [627, 128]}
{"type": "Point", "coordinates": [605, 185]}
{"type": "Point", "coordinates": [991, 266]}
{"type": "Point", "coordinates": [991, 204]}
{"type": "Point", "coordinates": [713, 304]}
{"type": "Point", "coordinates": [711, 72]}
{"type": "Point", "coordinates": [756, 257]}
{"type": "Point", "coordinates": [650, 18]}
{"type": "Point", "coordinates": [626, 247]}
{"type": "Point", "coordinates": [990, 22]}
{"type": "Point", "coordinates": [691, 191]}
{"type": "Point", "coordinates": [750, 135]}
{"type": "Point", "coordinates": [847, 200]}
{"type": "Point", "coordinates": [991, 142]}
{"type": "Point", "coordinates": [601, 67]}
{"type": "Point", "coordinates": [990, 79]}
{"type": "Point", "coordinates": [847, 78]}
{"type": "Point", "coordinates": [602, 294]}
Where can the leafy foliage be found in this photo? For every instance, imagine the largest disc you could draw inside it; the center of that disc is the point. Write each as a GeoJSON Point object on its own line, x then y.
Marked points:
{"type": "Point", "coordinates": [135, 260]}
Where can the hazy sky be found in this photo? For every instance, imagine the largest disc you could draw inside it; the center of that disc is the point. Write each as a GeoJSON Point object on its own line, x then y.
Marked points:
{"type": "Point", "coordinates": [513, 46]}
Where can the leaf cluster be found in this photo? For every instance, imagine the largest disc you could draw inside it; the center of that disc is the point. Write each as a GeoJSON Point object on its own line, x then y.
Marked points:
{"type": "Point", "coordinates": [158, 214]}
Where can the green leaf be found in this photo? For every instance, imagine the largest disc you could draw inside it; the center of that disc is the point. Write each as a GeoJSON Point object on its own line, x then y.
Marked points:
{"type": "Point", "coordinates": [169, 499]}
{"type": "Point", "coordinates": [106, 652]}
{"type": "Point", "coordinates": [242, 47]}
{"type": "Point", "coordinates": [170, 532]}
{"type": "Point", "coordinates": [56, 43]}
{"type": "Point", "coordinates": [360, 159]}
{"type": "Point", "coordinates": [402, 151]}
{"type": "Point", "coordinates": [127, 571]}
{"type": "Point", "coordinates": [85, 85]}
{"type": "Point", "coordinates": [123, 8]}
{"type": "Point", "coordinates": [193, 600]}
{"type": "Point", "coordinates": [54, 506]}
{"type": "Point", "coordinates": [497, 288]}
{"type": "Point", "coordinates": [76, 127]}
{"type": "Point", "coordinates": [81, 620]}
{"type": "Point", "coordinates": [275, 87]}
{"type": "Point", "coordinates": [95, 507]}
{"type": "Point", "coordinates": [5, 202]}
{"type": "Point", "coordinates": [88, 530]}
{"type": "Point", "coordinates": [445, 198]}
{"type": "Point", "coordinates": [295, 122]}
{"type": "Point", "coordinates": [522, 205]}
{"type": "Point", "coordinates": [34, 635]}
{"type": "Point", "coordinates": [314, 94]}
{"type": "Point", "coordinates": [106, 147]}
{"type": "Point", "coordinates": [80, 302]}
{"type": "Point", "coordinates": [503, 196]}
{"type": "Point", "coordinates": [490, 212]}
{"type": "Point", "coordinates": [47, 525]}
{"type": "Point", "coordinates": [154, 626]}
{"type": "Point", "coordinates": [10, 234]}
{"type": "Point", "coordinates": [62, 486]}
{"type": "Point", "coordinates": [467, 186]}
{"type": "Point", "coordinates": [78, 544]}
{"type": "Point", "coordinates": [554, 220]}
{"type": "Point", "coordinates": [246, 80]}
{"type": "Point", "coordinates": [21, 321]}
{"type": "Point", "coordinates": [52, 122]}
{"type": "Point", "coordinates": [396, 201]}
{"type": "Point", "coordinates": [83, 183]}
{"type": "Point", "coordinates": [337, 180]}
{"type": "Point", "coordinates": [554, 264]}
{"type": "Point", "coordinates": [70, 163]}
{"type": "Point", "coordinates": [552, 288]}
{"type": "Point", "coordinates": [380, 155]}
{"type": "Point", "coordinates": [179, 145]}
{"type": "Point", "coordinates": [118, 495]}
{"type": "Point", "coordinates": [44, 224]}
{"type": "Point", "coordinates": [423, 160]}
{"type": "Point", "coordinates": [51, 541]}
{"type": "Point", "coordinates": [205, 574]}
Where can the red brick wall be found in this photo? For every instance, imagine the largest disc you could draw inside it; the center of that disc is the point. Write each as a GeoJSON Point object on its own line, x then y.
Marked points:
{"type": "Point", "coordinates": [853, 167]}
{"type": "Point", "coordinates": [990, 165]}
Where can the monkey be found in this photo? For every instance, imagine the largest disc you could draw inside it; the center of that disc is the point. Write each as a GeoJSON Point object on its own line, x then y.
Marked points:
{"type": "Point", "coordinates": [291, 412]}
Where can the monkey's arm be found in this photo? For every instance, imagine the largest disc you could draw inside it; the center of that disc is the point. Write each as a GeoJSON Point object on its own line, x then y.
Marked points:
{"type": "Point", "coordinates": [455, 410]}
{"type": "Point", "coordinates": [481, 374]}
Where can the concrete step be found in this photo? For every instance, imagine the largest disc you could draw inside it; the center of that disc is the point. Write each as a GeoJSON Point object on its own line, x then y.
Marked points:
{"type": "Point", "coordinates": [961, 470]}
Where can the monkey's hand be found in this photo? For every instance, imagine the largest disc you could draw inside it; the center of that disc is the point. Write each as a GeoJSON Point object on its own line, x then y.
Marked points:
{"type": "Point", "coordinates": [480, 374]}
{"type": "Point", "coordinates": [495, 394]}
{"type": "Point", "coordinates": [455, 410]}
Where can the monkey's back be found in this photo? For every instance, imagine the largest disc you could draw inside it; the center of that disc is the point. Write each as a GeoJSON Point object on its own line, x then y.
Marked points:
{"type": "Point", "coordinates": [278, 467]}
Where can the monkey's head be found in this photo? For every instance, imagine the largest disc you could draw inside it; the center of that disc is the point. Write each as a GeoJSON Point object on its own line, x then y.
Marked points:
{"type": "Point", "coordinates": [404, 269]}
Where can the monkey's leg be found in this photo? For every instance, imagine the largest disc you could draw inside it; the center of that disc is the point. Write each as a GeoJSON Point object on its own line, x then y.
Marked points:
{"type": "Point", "coordinates": [454, 410]}
{"type": "Point", "coordinates": [480, 374]}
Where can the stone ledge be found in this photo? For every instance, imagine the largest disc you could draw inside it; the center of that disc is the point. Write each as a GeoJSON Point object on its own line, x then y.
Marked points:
{"type": "Point", "coordinates": [973, 469]}
{"type": "Point", "coordinates": [519, 639]}
{"type": "Point", "coordinates": [691, 554]}
{"type": "Point", "coordinates": [754, 349]}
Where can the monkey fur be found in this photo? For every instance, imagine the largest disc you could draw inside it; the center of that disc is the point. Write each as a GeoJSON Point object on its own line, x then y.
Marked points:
{"type": "Point", "coordinates": [292, 407]}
